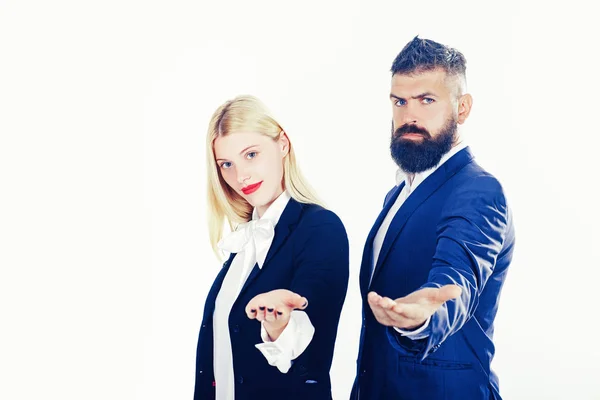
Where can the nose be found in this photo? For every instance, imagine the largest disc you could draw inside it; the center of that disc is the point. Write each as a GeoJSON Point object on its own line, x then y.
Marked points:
{"type": "Point", "coordinates": [405, 115]}
{"type": "Point", "coordinates": [243, 175]}
{"type": "Point", "coordinates": [408, 117]}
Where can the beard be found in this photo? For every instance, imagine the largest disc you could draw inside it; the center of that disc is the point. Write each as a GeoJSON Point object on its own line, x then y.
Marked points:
{"type": "Point", "coordinates": [413, 157]}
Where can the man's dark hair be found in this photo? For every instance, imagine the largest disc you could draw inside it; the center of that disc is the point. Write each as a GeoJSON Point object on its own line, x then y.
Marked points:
{"type": "Point", "coordinates": [421, 55]}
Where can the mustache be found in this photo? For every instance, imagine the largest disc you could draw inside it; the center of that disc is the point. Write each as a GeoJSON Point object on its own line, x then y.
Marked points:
{"type": "Point", "coordinates": [404, 129]}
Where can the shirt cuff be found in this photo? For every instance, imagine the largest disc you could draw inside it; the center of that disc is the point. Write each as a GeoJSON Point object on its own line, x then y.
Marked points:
{"type": "Point", "coordinates": [416, 334]}
{"type": "Point", "coordinates": [292, 342]}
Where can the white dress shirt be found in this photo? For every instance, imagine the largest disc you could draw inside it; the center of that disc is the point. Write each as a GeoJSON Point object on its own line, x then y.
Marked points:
{"type": "Point", "coordinates": [412, 181]}
{"type": "Point", "coordinates": [298, 333]}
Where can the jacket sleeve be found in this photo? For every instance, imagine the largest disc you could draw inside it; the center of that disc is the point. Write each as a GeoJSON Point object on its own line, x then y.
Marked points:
{"type": "Point", "coordinates": [470, 236]}
{"type": "Point", "coordinates": [321, 268]}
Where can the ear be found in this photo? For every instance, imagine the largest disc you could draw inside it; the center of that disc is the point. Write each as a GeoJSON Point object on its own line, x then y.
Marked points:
{"type": "Point", "coordinates": [284, 144]}
{"type": "Point", "coordinates": [465, 102]}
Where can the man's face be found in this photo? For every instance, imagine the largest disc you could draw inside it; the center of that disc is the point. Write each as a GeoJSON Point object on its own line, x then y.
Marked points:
{"type": "Point", "coordinates": [425, 117]}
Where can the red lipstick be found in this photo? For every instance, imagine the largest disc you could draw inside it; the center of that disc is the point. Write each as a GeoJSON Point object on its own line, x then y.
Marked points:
{"type": "Point", "coordinates": [251, 188]}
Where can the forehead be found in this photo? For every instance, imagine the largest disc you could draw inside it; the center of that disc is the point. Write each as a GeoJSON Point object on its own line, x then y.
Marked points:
{"type": "Point", "coordinates": [434, 81]}
{"type": "Point", "coordinates": [233, 143]}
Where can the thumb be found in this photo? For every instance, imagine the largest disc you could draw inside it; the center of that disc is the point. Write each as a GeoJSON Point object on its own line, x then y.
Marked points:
{"type": "Point", "coordinates": [448, 292]}
{"type": "Point", "coordinates": [297, 301]}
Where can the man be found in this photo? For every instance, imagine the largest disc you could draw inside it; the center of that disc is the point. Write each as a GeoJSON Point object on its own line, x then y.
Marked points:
{"type": "Point", "coordinates": [436, 258]}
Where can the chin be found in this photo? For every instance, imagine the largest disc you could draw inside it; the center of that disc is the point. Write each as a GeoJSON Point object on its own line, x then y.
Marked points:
{"type": "Point", "coordinates": [256, 199]}
{"type": "Point", "coordinates": [268, 200]}
{"type": "Point", "coordinates": [264, 196]}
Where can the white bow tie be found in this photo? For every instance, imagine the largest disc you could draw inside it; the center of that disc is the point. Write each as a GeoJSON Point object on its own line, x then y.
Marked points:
{"type": "Point", "coordinates": [256, 236]}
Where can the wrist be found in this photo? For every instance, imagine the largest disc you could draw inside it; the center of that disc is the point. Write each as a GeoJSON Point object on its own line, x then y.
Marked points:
{"type": "Point", "coordinates": [413, 327]}
{"type": "Point", "coordinates": [273, 331]}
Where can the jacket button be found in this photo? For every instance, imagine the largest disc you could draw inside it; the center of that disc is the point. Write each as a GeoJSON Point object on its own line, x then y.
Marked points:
{"type": "Point", "coordinates": [240, 380]}
{"type": "Point", "coordinates": [363, 372]}
{"type": "Point", "coordinates": [203, 326]}
{"type": "Point", "coordinates": [200, 372]}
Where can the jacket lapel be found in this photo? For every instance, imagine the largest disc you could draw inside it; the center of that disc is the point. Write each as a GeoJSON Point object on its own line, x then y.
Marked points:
{"type": "Point", "coordinates": [367, 260]}
{"type": "Point", "coordinates": [287, 222]}
{"type": "Point", "coordinates": [216, 287]}
{"type": "Point", "coordinates": [418, 197]}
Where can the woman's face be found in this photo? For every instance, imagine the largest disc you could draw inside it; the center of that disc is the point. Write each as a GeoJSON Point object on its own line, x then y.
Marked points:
{"type": "Point", "coordinates": [252, 165]}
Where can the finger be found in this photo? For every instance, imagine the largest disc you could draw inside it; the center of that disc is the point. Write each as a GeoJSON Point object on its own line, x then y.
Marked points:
{"type": "Point", "coordinates": [378, 311]}
{"type": "Point", "coordinates": [251, 312]}
{"type": "Point", "coordinates": [380, 314]}
{"type": "Point", "coordinates": [396, 319]}
{"type": "Point", "coordinates": [373, 299]}
{"type": "Point", "coordinates": [383, 302]}
{"type": "Point", "coordinates": [383, 319]}
{"type": "Point", "coordinates": [386, 303]}
{"type": "Point", "coordinates": [411, 312]}
{"type": "Point", "coordinates": [303, 303]}
{"type": "Point", "coordinates": [270, 313]}
{"type": "Point", "coordinates": [260, 314]}
{"type": "Point", "coordinates": [404, 315]}
{"type": "Point", "coordinates": [251, 309]}
{"type": "Point", "coordinates": [281, 315]}
{"type": "Point", "coordinates": [282, 312]}
{"type": "Point", "coordinates": [432, 296]}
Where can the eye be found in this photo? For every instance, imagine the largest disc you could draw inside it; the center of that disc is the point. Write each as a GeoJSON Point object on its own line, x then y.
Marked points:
{"type": "Point", "coordinates": [427, 100]}
{"type": "Point", "coordinates": [225, 165]}
{"type": "Point", "coordinates": [400, 102]}
{"type": "Point", "coordinates": [251, 155]}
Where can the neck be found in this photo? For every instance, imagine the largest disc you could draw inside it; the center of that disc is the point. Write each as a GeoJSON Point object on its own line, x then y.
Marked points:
{"type": "Point", "coordinates": [261, 210]}
{"type": "Point", "coordinates": [457, 140]}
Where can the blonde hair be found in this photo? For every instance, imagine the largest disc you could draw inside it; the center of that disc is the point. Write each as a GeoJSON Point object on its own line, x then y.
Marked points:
{"type": "Point", "coordinates": [242, 114]}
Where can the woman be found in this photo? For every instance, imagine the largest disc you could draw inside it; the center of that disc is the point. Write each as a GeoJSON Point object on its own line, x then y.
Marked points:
{"type": "Point", "coordinates": [271, 316]}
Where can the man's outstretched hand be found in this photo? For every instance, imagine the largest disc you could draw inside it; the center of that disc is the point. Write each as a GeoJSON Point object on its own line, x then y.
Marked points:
{"type": "Point", "coordinates": [410, 312]}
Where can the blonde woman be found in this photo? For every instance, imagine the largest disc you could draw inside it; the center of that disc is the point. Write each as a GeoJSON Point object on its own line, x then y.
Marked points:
{"type": "Point", "coordinates": [271, 316]}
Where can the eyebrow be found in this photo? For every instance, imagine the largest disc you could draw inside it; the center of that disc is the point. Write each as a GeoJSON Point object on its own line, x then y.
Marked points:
{"type": "Point", "coordinates": [241, 152]}
{"type": "Point", "coordinates": [419, 96]}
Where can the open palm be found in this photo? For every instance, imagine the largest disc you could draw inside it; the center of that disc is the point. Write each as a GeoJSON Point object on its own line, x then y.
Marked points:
{"type": "Point", "coordinates": [413, 310]}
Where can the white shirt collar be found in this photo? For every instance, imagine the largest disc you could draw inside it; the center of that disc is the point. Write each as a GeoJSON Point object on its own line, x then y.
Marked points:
{"type": "Point", "coordinates": [419, 177]}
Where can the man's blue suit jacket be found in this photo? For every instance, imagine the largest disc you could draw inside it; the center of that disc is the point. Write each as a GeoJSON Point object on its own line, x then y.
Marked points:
{"type": "Point", "coordinates": [309, 255]}
{"type": "Point", "coordinates": [455, 228]}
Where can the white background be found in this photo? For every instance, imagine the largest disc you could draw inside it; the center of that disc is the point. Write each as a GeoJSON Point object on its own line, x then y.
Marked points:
{"type": "Point", "coordinates": [104, 255]}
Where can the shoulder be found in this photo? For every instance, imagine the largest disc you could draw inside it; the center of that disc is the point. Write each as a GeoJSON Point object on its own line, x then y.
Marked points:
{"type": "Point", "coordinates": [473, 178]}
{"type": "Point", "coordinates": [320, 231]}
{"type": "Point", "coordinates": [314, 215]}
{"type": "Point", "coordinates": [475, 188]}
